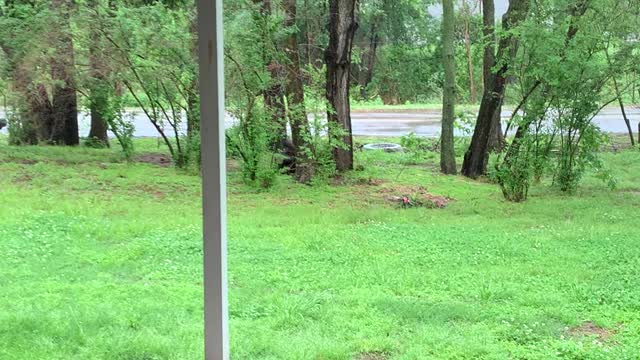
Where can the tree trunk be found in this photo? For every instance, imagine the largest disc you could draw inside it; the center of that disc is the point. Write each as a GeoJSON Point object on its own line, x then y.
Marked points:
{"type": "Point", "coordinates": [476, 157]}
{"type": "Point", "coordinates": [496, 139]}
{"type": "Point", "coordinates": [35, 110]}
{"type": "Point", "coordinates": [193, 110]}
{"type": "Point", "coordinates": [36, 115]}
{"type": "Point", "coordinates": [447, 151]}
{"type": "Point", "coordinates": [99, 93]}
{"type": "Point", "coordinates": [39, 119]}
{"type": "Point", "coordinates": [65, 103]}
{"type": "Point", "coordinates": [342, 27]}
{"type": "Point", "coordinates": [473, 97]}
{"type": "Point", "coordinates": [633, 86]}
{"type": "Point", "coordinates": [369, 60]}
{"type": "Point", "coordinates": [274, 95]}
{"type": "Point", "coordinates": [307, 33]}
{"type": "Point", "coordinates": [193, 98]}
{"type": "Point", "coordinates": [624, 116]}
{"type": "Point", "coordinates": [620, 102]}
{"type": "Point", "coordinates": [294, 89]}
{"type": "Point", "coordinates": [98, 132]}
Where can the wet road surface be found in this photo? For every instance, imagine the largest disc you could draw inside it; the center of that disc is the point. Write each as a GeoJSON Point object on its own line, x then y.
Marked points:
{"type": "Point", "coordinates": [390, 124]}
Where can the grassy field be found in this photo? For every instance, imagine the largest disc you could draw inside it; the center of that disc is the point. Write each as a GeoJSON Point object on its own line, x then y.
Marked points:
{"type": "Point", "coordinates": [101, 259]}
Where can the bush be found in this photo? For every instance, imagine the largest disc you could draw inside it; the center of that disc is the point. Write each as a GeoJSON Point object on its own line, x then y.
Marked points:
{"type": "Point", "coordinates": [251, 142]}
{"type": "Point", "coordinates": [417, 147]}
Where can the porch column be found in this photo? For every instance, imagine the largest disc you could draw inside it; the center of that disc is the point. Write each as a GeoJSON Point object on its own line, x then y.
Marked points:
{"type": "Point", "coordinates": [216, 332]}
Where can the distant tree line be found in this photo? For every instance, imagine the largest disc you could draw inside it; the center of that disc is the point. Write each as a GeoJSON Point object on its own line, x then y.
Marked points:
{"type": "Point", "coordinates": [291, 64]}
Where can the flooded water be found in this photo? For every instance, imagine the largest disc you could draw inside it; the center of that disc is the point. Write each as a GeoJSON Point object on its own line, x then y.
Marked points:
{"type": "Point", "coordinates": [391, 124]}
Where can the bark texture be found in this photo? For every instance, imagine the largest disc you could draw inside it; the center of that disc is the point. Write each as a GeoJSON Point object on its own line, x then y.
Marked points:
{"type": "Point", "coordinates": [365, 75]}
{"type": "Point", "coordinates": [193, 98]}
{"type": "Point", "coordinates": [35, 109]}
{"type": "Point", "coordinates": [447, 152]}
{"type": "Point", "coordinates": [496, 139]}
{"type": "Point", "coordinates": [294, 89]}
{"type": "Point", "coordinates": [99, 92]}
{"type": "Point", "coordinates": [342, 27]}
{"type": "Point", "coordinates": [64, 99]}
{"type": "Point", "coordinates": [476, 157]}
{"type": "Point", "coordinates": [274, 95]}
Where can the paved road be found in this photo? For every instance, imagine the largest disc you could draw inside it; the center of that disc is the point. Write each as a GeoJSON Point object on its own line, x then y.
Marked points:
{"type": "Point", "coordinates": [427, 123]}
{"type": "Point", "coordinates": [423, 123]}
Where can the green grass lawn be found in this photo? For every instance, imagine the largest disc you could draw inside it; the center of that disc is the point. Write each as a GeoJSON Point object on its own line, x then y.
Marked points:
{"type": "Point", "coordinates": [102, 259]}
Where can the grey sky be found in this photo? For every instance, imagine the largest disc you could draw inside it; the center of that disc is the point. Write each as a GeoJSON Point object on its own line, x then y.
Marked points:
{"type": "Point", "coordinates": [501, 8]}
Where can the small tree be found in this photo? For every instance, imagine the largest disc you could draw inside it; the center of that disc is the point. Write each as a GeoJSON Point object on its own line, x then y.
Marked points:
{"type": "Point", "coordinates": [447, 151]}
{"type": "Point", "coordinates": [564, 76]}
{"type": "Point", "coordinates": [158, 78]}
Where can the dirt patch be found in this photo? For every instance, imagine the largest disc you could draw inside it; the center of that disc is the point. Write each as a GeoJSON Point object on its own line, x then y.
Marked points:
{"type": "Point", "coordinates": [370, 182]}
{"type": "Point", "coordinates": [635, 192]}
{"type": "Point", "coordinates": [398, 194]}
{"type": "Point", "coordinates": [22, 179]}
{"type": "Point", "coordinates": [233, 165]}
{"type": "Point", "coordinates": [19, 161]}
{"type": "Point", "coordinates": [589, 329]}
{"type": "Point", "coordinates": [151, 191]}
{"type": "Point", "coordinates": [157, 159]}
{"type": "Point", "coordinates": [372, 356]}
{"type": "Point", "coordinates": [341, 181]}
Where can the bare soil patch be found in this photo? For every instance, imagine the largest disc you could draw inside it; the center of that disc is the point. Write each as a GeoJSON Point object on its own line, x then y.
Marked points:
{"type": "Point", "coordinates": [233, 165]}
{"type": "Point", "coordinates": [396, 193]}
{"type": "Point", "coordinates": [372, 356]}
{"type": "Point", "coordinates": [341, 181]}
{"type": "Point", "coordinates": [589, 329]}
{"type": "Point", "coordinates": [635, 192]}
{"type": "Point", "coordinates": [157, 159]}
{"type": "Point", "coordinates": [22, 179]}
{"type": "Point", "coordinates": [19, 161]}
{"type": "Point", "coordinates": [148, 189]}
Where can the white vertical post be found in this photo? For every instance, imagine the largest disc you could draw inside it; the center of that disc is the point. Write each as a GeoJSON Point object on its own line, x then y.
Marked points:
{"type": "Point", "coordinates": [216, 333]}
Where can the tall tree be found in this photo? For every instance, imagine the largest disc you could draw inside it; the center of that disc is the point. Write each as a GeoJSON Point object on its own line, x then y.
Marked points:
{"type": "Point", "coordinates": [294, 89]}
{"type": "Point", "coordinates": [342, 27]}
{"type": "Point", "coordinates": [496, 140]}
{"type": "Point", "coordinates": [274, 93]}
{"type": "Point", "coordinates": [477, 156]}
{"type": "Point", "coordinates": [21, 48]}
{"type": "Point", "coordinates": [467, 14]}
{"type": "Point", "coordinates": [447, 152]}
{"type": "Point", "coordinates": [193, 97]}
{"type": "Point", "coordinates": [618, 94]}
{"type": "Point", "coordinates": [64, 97]}
{"type": "Point", "coordinates": [99, 89]}
{"type": "Point", "coordinates": [367, 66]}
{"type": "Point", "coordinates": [371, 18]}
